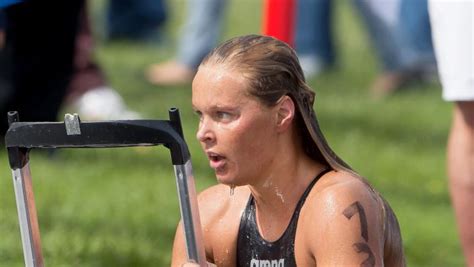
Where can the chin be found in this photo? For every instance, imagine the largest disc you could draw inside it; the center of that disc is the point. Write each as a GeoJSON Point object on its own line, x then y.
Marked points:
{"type": "Point", "coordinates": [224, 180]}
{"type": "Point", "coordinates": [227, 179]}
{"type": "Point", "coordinates": [230, 182]}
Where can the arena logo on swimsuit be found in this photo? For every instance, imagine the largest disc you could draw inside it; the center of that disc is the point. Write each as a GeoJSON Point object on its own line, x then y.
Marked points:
{"type": "Point", "coordinates": [267, 263]}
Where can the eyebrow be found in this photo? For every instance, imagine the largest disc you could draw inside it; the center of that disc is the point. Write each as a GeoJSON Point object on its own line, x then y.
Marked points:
{"type": "Point", "coordinates": [224, 108]}
{"type": "Point", "coordinates": [217, 107]}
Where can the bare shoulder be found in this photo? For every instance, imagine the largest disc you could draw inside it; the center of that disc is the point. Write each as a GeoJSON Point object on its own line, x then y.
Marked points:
{"type": "Point", "coordinates": [219, 206]}
{"type": "Point", "coordinates": [342, 221]}
{"type": "Point", "coordinates": [338, 189]}
{"type": "Point", "coordinates": [341, 181]}
{"type": "Point", "coordinates": [217, 202]}
{"type": "Point", "coordinates": [220, 212]}
{"type": "Point", "coordinates": [341, 195]}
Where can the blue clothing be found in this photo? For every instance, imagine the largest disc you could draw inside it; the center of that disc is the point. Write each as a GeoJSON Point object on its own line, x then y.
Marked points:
{"type": "Point", "coordinates": [5, 3]}
{"type": "Point", "coordinates": [383, 36]}
{"type": "Point", "coordinates": [201, 31]}
{"type": "Point", "coordinates": [135, 19]}
{"type": "Point", "coordinates": [314, 35]}
{"type": "Point", "coordinates": [414, 31]}
{"type": "Point", "coordinates": [406, 45]}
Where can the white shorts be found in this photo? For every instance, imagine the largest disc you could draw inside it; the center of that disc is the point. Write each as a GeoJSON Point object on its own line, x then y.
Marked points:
{"type": "Point", "coordinates": [452, 24]}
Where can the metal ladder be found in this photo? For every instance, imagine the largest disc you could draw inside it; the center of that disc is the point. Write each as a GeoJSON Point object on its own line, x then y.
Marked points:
{"type": "Point", "coordinates": [21, 137]}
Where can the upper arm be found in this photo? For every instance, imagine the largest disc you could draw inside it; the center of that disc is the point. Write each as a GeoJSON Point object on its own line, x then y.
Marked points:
{"type": "Point", "coordinates": [179, 256]}
{"type": "Point", "coordinates": [348, 228]}
{"type": "Point", "coordinates": [217, 214]}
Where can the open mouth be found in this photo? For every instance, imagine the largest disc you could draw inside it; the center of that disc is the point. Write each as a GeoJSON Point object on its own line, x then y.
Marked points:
{"type": "Point", "coordinates": [215, 160]}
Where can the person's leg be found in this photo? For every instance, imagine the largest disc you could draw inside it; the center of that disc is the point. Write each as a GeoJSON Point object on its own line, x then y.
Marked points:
{"type": "Point", "coordinates": [380, 18]}
{"type": "Point", "coordinates": [460, 159]}
{"type": "Point", "coordinates": [2, 29]}
{"type": "Point", "coordinates": [5, 69]}
{"type": "Point", "coordinates": [135, 20]}
{"type": "Point", "coordinates": [453, 32]}
{"type": "Point", "coordinates": [89, 93]}
{"type": "Point", "coordinates": [414, 32]}
{"type": "Point", "coordinates": [313, 38]}
{"type": "Point", "coordinates": [200, 34]}
{"type": "Point", "coordinates": [202, 30]}
{"type": "Point", "coordinates": [40, 36]}
{"type": "Point", "coordinates": [381, 29]}
{"type": "Point", "coordinates": [400, 33]}
{"type": "Point", "coordinates": [86, 73]}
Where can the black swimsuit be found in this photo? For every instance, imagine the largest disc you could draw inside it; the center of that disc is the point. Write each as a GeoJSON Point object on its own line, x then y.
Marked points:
{"type": "Point", "coordinates": [254, 251]}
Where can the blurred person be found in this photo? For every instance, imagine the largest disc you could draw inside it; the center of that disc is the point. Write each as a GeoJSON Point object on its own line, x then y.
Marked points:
{"type": "Point", "coordinates": [135, 20]}
{"type": "Point", "coordinates": [453, 33]}
{"type": "Point", "coordinates": [398, 29]}
{"type": "Point", "coordinates": [88, 92]}
{"type": "Point", "coordinates": [5, 84]}
{"type": "Point", "coordinates": [414, 32]}
{"type": "Point", "coordinates": [35, 79]}
{"type": "Point", "coordinates": [314, 40]}
{"type": "Point", "coordinates": [199, 35]}
{"type": "Point", "coordinates": [284, 197]}
{"type": "Point", "coordinates": [2, 29]}
{"type": "Point", "coordinates": [39, 47]}
{"type": "Point", "coordinates": [408, 55]}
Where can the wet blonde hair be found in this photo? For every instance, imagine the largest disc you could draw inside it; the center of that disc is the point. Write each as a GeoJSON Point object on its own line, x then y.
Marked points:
{"type": "Point", "coordinates": [272, 70]}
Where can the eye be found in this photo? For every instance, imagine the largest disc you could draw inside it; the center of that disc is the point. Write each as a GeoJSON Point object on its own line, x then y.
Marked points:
{"type": "Point", "coordinates": [224, 116]}
{"type": "Point", "coordinates": [198, 113]}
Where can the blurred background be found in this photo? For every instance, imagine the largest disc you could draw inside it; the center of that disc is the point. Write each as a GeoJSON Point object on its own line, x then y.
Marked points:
{"type": "Point", "coordinates": [119, 207]}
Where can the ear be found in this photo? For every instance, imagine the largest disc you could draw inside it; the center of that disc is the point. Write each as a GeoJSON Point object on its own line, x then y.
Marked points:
{"type": "Point", "coordinates": [286, 113]}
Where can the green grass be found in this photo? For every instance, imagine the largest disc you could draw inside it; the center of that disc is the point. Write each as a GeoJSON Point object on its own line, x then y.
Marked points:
{"type": "Point", "coordinates": [119, 207]}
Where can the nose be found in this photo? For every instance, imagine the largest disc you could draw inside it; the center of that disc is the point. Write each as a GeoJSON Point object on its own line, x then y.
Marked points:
{"type": "Point", "coordinates": [204, 133]}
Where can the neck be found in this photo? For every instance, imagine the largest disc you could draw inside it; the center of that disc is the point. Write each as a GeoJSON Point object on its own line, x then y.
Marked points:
{"type": "Point", "coordinates": [281, 187]}
{"type": "Point", "coordinates": [278, 192]}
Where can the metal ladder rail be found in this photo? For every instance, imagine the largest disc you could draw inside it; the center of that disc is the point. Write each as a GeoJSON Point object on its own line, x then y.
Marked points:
{"type": "Point", "coordinates": [21, 137]}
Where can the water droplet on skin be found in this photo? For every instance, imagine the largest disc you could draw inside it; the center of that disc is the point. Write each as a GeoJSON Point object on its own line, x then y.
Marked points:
{"type": "Point", "coordinates": [267, 183]}
{"type": "Point", "coordinates": [232, 187]}
{"type": "Point", "coordinates": [279, 194]}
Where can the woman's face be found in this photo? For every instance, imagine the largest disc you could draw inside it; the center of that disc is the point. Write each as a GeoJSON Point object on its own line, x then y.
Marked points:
{"type": "Point", "coordinates": [236, 131]}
